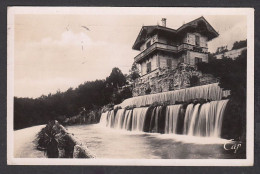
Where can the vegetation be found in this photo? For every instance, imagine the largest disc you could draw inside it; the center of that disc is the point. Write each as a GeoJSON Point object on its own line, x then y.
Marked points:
{"type": "Point", "coordinates": [221, 49]}
{"type": "Point", "coordinates": [236, 45]}
{"type": "Point", "coordinates": [91, 96]}
{"type": "Point", "coordinates": [232, 75]}
{"type": "Point", "coordinates": [134, 72]}
{"type": "Point", "coordinates": [240, 44]}
{"type": "Point", "coordinates": [50, 139]}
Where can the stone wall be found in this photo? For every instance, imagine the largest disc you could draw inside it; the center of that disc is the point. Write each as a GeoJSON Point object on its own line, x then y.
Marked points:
{"type": "Point", "coordinates": [166, 79]}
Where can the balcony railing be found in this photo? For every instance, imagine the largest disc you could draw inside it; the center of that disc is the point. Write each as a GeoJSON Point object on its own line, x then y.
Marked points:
{"type": "Point", "coordinates": [153, 47]}
{"type": "Point", "coordinates": [161, 46]}
{"type": "Point", "coordinates": [185, 46]}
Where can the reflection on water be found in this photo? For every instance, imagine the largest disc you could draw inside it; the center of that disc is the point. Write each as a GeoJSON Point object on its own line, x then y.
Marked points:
{"type": "Point", "coordinates": [118, 144]}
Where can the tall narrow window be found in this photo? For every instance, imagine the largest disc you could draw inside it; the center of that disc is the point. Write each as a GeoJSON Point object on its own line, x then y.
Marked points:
{"type": "Point", "coordinates": [197, 40]}
{"type": "Point", "coordinates": [169, 63]}
{"type": "Point", "coordinates": [148, 67]}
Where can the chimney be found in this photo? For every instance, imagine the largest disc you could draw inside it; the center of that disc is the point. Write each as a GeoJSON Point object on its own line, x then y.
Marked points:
{"type": "Point", "coordinates": [164, 22]}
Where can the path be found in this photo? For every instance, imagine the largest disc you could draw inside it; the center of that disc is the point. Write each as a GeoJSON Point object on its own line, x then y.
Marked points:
{"type": "Point", "coordinates": [23, 143]}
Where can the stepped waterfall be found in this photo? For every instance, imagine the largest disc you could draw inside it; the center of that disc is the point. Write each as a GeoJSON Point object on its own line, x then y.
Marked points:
{"type": "Point", "coordinates": [207, 92]}
{"type": "Point", "coordinates": [204, 120]}
{"type": "Point", "coordinates": [193, 119]}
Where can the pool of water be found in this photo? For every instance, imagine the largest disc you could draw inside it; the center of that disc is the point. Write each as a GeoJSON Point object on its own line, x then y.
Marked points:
{"type": "Point", "coordinates": [118, 144]}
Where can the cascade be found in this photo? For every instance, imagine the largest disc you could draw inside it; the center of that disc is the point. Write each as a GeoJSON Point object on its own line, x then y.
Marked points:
{"type": "Point", "coordinates": [127, 123]}
{"type": "Point", "coordinates": [208, 92]}
{"type": "Point", "coordinates": [156, 123]}
{"type": "Point", "coordinates": [221, 105]}
{"type": "Point", "coordinates": [204, 120]}
{"type": "Point", "coordinates": [171, 120]}
{"type": "Point", "coordinates": [110, 118]}
{"type": "Point", "coordinates": [138, 118]}
{"type": "Point", "coordinates": [193, 120]}
{"type": "Point", "coordinates": [103, 119]}
{"type": "Point", "coordinates": [119, 119]}
{"type": "Point", "coordinates": [187, 119]}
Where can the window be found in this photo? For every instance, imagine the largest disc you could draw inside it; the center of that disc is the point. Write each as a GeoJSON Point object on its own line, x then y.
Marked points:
{"type": "Point", "coordinates": [148, 67]}
{"type": "Point", "coordinates": [197, 60]}
{"type": "Point", "coordinates": [197, 40]}
{"type": "Point", "coordinates": [148, 44]}
{"type": "Point", "coordinates": [169, 63]}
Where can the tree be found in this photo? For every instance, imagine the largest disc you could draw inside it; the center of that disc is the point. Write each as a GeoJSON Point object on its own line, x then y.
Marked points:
{"type": "Point", "coordinates": [90, 95]}
{"type": "Point", "coordinates": [116, 78]}
{"type": "Point", "coordinates": [232, 73]}
{"type": "Point", "coordinates": [134, 72]}
{"type": "Point", "coordinates": [221, 49]}
{"type": "Point", "coordinates": [211, 57]}
{"type": "Point", "coordinates": [240, 44]}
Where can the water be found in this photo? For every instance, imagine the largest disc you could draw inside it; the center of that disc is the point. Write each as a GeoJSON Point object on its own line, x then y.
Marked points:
{"type": "Point", "coordinates": [172, 114]}
{"type": "Point", "coordinates": [203, 120]}
{"type": "Point", "coordinates": [210, 91]}
{"type": "Point", "coordinates": [163, 132]}
{"type": "Point", "coordinates": [119, 144]}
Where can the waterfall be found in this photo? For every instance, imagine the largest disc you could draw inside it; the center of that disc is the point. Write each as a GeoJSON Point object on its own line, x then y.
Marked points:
{"type": "Point", "coordinates": [157, 119]}
{"type": "Point", "coordinates": [138, 118]}
{"type": "Point", "coordinates": [187, 119]}
{"type": "Point", "coordinates": [111, 118]}
{"type": "Point", "coordinates": [119, 119]}
{"type": "Point", "coordinates": [204, 120]}
{"type": "Point", "coordinates": [171, 120]}
{"type": "Point", "coordinates": [210, 91]}
{"type": "Point", "coordinates": [127, 123]}
{"type": "Point", "coordinates": [194, 116]}
{"type": "Point", "coordinates": [103, 119]}
{"type": "Point", "coordinates": [219, 117]}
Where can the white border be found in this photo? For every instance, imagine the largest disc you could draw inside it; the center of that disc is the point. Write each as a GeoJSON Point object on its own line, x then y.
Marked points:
{"type": "Point", "coordinates": [249, 12]}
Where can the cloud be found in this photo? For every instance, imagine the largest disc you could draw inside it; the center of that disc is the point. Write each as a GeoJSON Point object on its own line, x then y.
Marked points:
{"type": "Point", "coordinates": [71, 38]}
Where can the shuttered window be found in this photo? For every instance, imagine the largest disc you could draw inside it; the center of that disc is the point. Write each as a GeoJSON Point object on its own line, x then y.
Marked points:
{"type": "Point", "coordinates": [197, 40]}
{"type": "Point", "coordinates": [148, 67]}
{"type": "Point", "coordinates": [169, 63]}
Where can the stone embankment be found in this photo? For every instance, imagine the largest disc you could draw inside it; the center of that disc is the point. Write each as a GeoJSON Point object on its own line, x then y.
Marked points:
{"type": "Point", "coordinates": [57, 142]}
{"type": "Point", "coordinates": [166, 79]}
{"type": "Point", "coordinates": [79, 150]}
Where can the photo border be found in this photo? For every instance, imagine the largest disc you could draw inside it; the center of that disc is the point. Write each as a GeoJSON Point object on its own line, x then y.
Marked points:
{"type": "Point", "coordinates": [122, 169]}
{"type": "Point", "coordinates": [132, 11]}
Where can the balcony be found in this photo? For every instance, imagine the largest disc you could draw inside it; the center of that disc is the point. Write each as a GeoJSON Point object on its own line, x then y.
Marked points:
{"type": "Point", "coordinates": [169, 48]}
{"type": "Point", "coordinates": [185, 46]}
{"type": "Point", "coordinates": [155, 46]}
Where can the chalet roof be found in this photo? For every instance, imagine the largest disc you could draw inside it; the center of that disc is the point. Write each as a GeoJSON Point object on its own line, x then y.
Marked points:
{"type": "Point", "coordinates": [147, 31]}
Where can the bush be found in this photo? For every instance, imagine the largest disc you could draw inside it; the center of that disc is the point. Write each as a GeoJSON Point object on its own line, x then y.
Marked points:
{"type": "Point", "coordinates": [194, 80]}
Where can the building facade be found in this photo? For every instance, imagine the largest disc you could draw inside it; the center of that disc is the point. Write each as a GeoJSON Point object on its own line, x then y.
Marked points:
{"type": "Point", "coordinates": [163, 47]}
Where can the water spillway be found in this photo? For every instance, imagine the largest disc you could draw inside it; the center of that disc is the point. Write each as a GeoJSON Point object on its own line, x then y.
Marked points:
{"type": "Point", "coordinates": [203, 120]}
{"type": "Point", "coordinates": [208, 92]}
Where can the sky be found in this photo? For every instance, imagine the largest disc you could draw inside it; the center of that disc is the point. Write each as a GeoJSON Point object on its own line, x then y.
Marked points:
{"type": "Point", "coordinates": [56, 52]}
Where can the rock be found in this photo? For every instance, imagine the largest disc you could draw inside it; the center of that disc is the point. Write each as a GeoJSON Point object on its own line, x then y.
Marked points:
{"type": "Point", "coordinates": [62, 153]}
{"type": "Point", "coordinates": [81, 152]}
